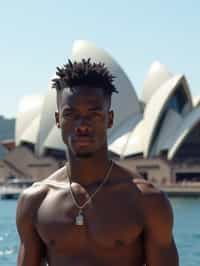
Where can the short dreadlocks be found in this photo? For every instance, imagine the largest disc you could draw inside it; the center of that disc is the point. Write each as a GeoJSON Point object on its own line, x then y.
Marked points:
{"type": "Point", "coordinates": [84, 73]}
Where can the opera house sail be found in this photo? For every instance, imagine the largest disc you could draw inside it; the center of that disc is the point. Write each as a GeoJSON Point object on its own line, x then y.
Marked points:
{"type": "Point", "coordinates": [156, 134]}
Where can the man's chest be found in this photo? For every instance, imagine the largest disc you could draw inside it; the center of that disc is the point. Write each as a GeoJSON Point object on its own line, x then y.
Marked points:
{"type": "Point", "coordinates": [109, 220]}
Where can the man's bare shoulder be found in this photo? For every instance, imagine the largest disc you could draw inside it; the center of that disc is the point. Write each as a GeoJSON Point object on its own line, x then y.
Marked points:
{"type": "Point", "coordinates": [58, 176]}
{"type": "Point", "coordinates": [32, 197]}
{"type": "Point", "coordinates": [156, 208]}
{"type": "Point", "coordinates": [151, 196]}
{"type": "Point", "coordinates": [40, 188]}
{"type": "Point", "coordinates": [29, 201]}
{"type": "Point", "coordinates": [144, 186]}
{"type": "Point", "coordinates": [153, 203]}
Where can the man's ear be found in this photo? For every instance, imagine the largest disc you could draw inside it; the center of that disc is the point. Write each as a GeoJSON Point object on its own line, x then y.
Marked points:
{"type": "Point", "coordinates": [110, 118]}
{"type": "Point", "coordinates": [57, 119]}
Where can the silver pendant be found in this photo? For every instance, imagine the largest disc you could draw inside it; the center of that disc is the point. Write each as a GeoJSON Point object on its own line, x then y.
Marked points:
{"type": "Point", "coordinates": [79, 218]}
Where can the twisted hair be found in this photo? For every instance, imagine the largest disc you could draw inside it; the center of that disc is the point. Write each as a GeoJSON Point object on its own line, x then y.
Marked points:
{"type": "Point", "coordinates": [84, 73]}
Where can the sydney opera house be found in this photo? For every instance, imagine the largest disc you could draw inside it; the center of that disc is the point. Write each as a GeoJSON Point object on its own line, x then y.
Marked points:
{"type": "Point", "coordinates": [156, 133]}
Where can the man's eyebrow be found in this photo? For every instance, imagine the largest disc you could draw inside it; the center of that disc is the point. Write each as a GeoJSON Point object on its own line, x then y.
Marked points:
{"type": "Point", "coordinates": [95, 108]}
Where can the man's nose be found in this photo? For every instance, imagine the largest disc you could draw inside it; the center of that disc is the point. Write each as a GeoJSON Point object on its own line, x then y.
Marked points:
{"type": "Point", "coordinates": [83, 127]}
{"type": "Point", "coordinates": [82, 130]}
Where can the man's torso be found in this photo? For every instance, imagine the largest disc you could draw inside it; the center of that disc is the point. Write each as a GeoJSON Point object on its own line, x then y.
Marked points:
{"type": "Point", "coordinates": [112, 233]}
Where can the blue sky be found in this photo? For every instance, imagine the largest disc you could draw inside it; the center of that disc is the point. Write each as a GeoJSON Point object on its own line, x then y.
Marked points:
{"type": "Point", "coordinates": [36, 36]}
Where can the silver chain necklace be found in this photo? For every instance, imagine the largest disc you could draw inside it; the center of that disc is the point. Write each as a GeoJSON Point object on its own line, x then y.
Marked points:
{"type": "Point", "coordinates": [79, 220]}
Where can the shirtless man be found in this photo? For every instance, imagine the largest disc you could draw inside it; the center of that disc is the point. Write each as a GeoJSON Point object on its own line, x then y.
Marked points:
{"type": "Point", "coordinates": [92, 212]}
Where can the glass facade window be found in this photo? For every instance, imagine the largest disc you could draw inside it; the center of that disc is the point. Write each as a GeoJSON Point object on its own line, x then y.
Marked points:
{"type": "Point", "coordinates": [180, 177]}
{"type": "Point", "coordinates": [177, 103]}
{"type": "Point", "coordinates": [178, 100]}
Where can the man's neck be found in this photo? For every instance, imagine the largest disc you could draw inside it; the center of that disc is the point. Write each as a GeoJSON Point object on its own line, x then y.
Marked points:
{"type": "Point", "coordinates": [88, 171]}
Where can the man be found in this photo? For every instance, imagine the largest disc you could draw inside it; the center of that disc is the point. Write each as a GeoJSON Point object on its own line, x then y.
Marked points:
{"type": "Point", "coordinates": [92, 212]}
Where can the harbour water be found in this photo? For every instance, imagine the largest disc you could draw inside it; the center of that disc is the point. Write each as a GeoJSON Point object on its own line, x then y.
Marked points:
{"type": "Point", "coordinates": [186, 231]}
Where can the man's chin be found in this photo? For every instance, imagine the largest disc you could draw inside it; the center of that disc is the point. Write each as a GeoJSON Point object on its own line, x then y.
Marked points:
{"type": "Point", "coordinates": [85, 155]}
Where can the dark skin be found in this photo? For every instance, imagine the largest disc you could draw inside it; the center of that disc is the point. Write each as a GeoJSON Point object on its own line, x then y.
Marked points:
{"type": "Point", "coordinates": [128, 222]}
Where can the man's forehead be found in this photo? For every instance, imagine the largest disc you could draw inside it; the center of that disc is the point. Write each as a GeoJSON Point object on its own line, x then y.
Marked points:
{"type": "Point", "coordinates": [83, 91]}
{"type": "Point", "coordinates": [90, 96]}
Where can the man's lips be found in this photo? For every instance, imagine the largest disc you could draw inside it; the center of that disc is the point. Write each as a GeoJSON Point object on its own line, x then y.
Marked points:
{"type": "Point", "coordinates": [83, 140]}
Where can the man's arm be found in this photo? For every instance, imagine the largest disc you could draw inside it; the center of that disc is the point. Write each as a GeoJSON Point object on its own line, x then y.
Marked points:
{"type": "Point", "coordinates": [160, 248]}
{"type": "Point", "coordinates": [32, 249]}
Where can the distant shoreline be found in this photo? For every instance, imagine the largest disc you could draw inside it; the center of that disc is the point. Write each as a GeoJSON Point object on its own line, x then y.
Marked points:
{"type": "Point", "coordinates": [186, 189]}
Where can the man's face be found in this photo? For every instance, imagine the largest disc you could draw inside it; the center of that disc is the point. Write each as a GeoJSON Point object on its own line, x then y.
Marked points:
{"type": "Point", "coordinates": [84, 118]}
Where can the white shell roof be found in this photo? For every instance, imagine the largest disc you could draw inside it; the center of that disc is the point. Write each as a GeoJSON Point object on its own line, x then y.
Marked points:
{"type": "Point", "coordinates": [133, 131]}
{"type": "Point", "coordinates": [130, 143]}
{"type": "Point", "coordinates": [165, 139]}
{"type": "Point", "coordinates": [127, 126]}
{"type": "Point", "coordinates": [31, 133]}
{"type": "Point", "coordinates": [47, 120]}
{"type": "Point", "coordinates": [42, 130]}
{"type": "Point", "coordinates": [119, 141]}
{"type": "Point", "coordinates": [156, 106]}
{"type": "Point", "coordinates": [126, 96]}
{"type": "Point", "coordinates": [196, 101]}
{"type": "Point", "coordinates": [54, 140]}
{"type": "Point", "coordinates": [29, 110]}
{"type": "Point", "coordinates": [188, 124]}
{"type": "Point", "coordinates": [157, 75]}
